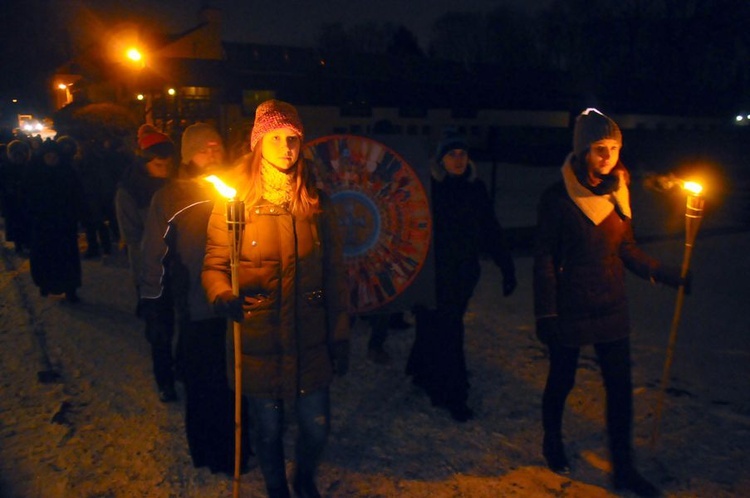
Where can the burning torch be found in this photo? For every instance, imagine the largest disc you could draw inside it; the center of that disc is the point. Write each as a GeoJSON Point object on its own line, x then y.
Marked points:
{"type": "Point", "coordinates": [693, 217]}
{"type": "Point", "coordinates": [235, 226]}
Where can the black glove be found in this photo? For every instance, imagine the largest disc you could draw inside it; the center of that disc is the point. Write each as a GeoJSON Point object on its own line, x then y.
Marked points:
{"type": "Point", "coordinates": [228, 305]}
{"type": "Point", "coordinates": [509, 285]}
{"type": "Point", "coordinates": [340, 357]}
{"type": "Point", "coordinates": [547, 329]}
{"type": "Point", "coordinates": [672, 276]}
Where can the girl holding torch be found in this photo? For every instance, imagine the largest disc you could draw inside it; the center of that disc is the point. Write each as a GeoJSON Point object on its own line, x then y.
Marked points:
{"type": "Point", "coordinates": [584, 243]}
{"type": "Point", "coordinates": [292, 297]}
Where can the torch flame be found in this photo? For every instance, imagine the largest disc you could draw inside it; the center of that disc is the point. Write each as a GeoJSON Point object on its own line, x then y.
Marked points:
{"type": "Point", "coordinates": [222, 187]}
{"type": "Point", "coordinates": [693, 187]}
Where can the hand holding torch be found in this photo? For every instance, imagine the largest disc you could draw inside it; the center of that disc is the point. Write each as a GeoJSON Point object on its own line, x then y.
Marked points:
{"type": "Point", "coordinates": [693, 217]}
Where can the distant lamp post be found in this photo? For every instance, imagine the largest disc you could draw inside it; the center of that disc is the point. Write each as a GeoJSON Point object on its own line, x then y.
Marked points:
{"type": "Point", "coordinates": [135, 56]}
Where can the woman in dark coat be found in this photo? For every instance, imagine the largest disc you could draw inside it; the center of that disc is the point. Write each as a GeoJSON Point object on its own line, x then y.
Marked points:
{"type": "Point", "coordinates": [465, 226]}
{"type": "Point", "coordinates": [53, 197]}
{"type": "Point", "coordinates": [584, 243]}
{"type": "Point", "coordinates": [292, 307]}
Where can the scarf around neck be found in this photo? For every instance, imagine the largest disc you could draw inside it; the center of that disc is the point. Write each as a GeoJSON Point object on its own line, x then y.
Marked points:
{"type": "Point", "coordinates": [596, 207]}
{"type": "Point", "coordinates": [277, 185]}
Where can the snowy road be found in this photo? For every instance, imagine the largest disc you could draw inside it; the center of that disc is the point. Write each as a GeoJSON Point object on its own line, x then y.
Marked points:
{"type": "Point", "coordinates": [92, 426]}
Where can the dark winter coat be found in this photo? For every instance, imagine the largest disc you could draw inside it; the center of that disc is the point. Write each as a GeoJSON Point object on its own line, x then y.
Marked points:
{"type": "Point", "coordinates": [292, 268]}
{"type": "Point", "coordinates": [132, 200]}
{"type": "Point", "coordinates": [465, 227]}
{"type": "Point", "coordinates": [52, 198]}
{"type": "Point", "coordinates": [579, 270]}
{"type": "Point", "coordinates": [173, 246]}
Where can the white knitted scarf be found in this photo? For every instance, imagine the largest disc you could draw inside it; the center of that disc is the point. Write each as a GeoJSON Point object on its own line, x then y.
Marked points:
{"type": "Point", "coordinates": [596, 207]}
{"type": "Point", "coordinates": [277, 184]}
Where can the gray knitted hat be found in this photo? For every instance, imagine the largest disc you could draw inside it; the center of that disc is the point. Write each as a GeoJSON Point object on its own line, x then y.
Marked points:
{"type": "Point", "coordinates": [592, 126]}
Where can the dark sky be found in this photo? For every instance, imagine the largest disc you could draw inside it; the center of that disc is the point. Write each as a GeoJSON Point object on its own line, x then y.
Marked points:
{"type": "Point", "coordinates": [293, 22]}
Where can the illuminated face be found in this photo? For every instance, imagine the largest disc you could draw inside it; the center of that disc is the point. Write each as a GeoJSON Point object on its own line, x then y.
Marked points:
{"type": "Point", "coordinates": [281, 147]}
{"type": "Point", "coordinates": [209, 157]}
{"type": "Point", "coordinates": [456, 161]}
{"type": "Point", "coordinates": [159, 167]}
{"type": "Point", "coordinates": [601, 158]}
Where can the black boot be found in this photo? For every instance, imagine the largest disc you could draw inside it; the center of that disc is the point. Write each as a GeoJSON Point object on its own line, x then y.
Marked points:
{"type": "Point", "coordinates": [629, 479]}
{"type": "Point", "coordinates": [281, 492]}
{"type": "Point", "coordinates": [553, 450]}
{"type": "Point", "coordinates": [304, 487]}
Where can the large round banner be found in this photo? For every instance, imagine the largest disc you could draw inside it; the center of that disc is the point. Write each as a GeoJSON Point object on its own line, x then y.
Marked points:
{"type": "Point", "coordinates": [383, 213]}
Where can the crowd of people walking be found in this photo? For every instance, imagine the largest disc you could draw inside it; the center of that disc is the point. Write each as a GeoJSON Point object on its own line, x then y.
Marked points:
{"type": "Point", "coordinates": [287, 310]}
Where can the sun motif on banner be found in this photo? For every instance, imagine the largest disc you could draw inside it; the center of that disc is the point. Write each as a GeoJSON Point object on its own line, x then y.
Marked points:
{"type": "Point", "coordinates": [383, 213]}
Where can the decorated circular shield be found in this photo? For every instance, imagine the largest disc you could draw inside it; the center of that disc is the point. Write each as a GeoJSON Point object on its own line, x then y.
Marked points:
{"type": "Point", "coordinates": [383, 213]}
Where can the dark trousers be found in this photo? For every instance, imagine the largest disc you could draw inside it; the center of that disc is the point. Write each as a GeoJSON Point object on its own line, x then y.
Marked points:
{"type": "Point", "coordinates": [160, 333]}
{"type": "Point", "coordinates": [378, 330]}
{"type": "Point", "coordinates": [437, 361]}
{"type": "Point", "coordinates": [614, 361]}
{"type": "Point", "coordinates": [267, 419]}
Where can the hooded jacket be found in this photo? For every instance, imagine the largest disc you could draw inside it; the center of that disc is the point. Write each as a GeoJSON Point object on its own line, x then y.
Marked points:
{"type": "Point", "coordinates": [291, 270]}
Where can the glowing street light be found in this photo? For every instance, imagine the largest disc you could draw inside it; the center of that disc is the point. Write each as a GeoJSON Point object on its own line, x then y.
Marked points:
{"type": "Point", "coordinates": [693, 218]}
{"type": "Point", "coordinates": [235, 216]}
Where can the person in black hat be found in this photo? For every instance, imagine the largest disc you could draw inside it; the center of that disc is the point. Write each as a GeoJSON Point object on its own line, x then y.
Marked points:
{"type": "Point", "coordinates": [465, 225]}
{"type": "Point", "coordinates": [583, 245]}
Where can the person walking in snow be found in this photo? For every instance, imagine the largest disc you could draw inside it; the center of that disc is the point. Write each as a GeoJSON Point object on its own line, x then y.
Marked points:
{"type": "Point", "coordinates": [465, 225]}
{"type": "Point", "coordinates": [584, 243]}
{"type": "Point", "coordinates": [148, 174]}
{"type": "Point", "coordinates": [174, 244]}
{"type": "Point", "coordinates": [52, 195]}
{"type": "Point", "coordinates": [293, 300]}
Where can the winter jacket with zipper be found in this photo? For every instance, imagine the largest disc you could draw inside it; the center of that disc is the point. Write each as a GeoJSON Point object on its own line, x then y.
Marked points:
{"type": "Point", "coordinates": [579, 270]}
{"type": "Point", "coordinates": [174, 242]}
{"type": "Point", "coordinates": [292, 270]}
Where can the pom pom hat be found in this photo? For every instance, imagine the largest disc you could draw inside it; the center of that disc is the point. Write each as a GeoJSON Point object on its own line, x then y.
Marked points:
{"type": "Point", "coordinates": [272, 115]}
{"type": "Point", "coordinates": [153, 142]}
{"type": "Point", "coordinates": [196, 137]}
{"type": "Point", "coordinates": [592, 126]}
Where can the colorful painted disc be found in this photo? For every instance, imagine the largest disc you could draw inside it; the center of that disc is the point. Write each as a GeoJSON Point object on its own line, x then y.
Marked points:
{"type": "Point", "coordinates": [383, 212]}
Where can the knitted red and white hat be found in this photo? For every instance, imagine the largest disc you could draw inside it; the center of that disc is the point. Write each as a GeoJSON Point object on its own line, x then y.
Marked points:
{"type": "Point", "coordinates": [272, 115]}
{"type": "Point", "coordinates": [148, 136]}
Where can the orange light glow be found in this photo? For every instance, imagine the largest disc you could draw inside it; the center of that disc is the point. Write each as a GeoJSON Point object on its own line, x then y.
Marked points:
{"type": "Point", "coordinates": [693, 187]}
{"type": "Point", "coordinates": [222, 187]}
{"type": "Point", "coordinates": [134, 54]}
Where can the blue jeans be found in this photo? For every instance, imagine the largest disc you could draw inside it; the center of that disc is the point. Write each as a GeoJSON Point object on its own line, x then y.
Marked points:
{"type": "Point", "coordinates": [314, 422]}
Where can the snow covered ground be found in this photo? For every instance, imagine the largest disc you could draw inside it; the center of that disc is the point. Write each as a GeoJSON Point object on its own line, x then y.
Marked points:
{"type": "Point", "coordinates": [79, 415]}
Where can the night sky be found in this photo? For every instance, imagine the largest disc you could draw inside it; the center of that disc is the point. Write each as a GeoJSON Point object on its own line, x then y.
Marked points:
{"type": "Point", "coordinates": [296, 22]}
